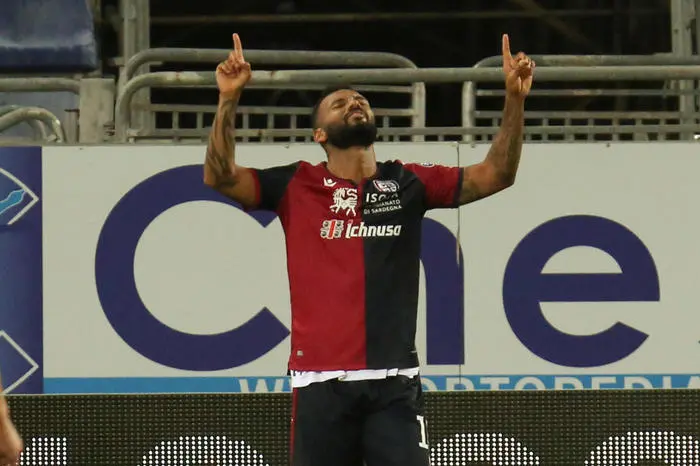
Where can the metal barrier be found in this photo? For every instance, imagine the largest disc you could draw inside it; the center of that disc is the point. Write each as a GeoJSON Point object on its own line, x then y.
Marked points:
{"type": "Point", "coordinates": [39, 128]}
{"type": "Point", "coordinates": [415, 113]}
{"type": "Point", "coordinates": [638, 125]}
{"type": "Point", "coordinates": [87, 123]}
{"type": "Point", "coordinates": [38, 118]}
{"type": "Point", "coordinates": [97, 97]}
{"type": "Point", "coordinates": [270, 57]}
{"type": "Point", "coordinates": [426, 75]}
{"type": "Point", "coordinates": [34, 84]}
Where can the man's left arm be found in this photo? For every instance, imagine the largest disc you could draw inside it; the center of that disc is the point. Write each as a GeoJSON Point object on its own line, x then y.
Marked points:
{"type": "Point", "coordinates": [497, 171]}
{"type": "Point", "coordinates": [11, 444]}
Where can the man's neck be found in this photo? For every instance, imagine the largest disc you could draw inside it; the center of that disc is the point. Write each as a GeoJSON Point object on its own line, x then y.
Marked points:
{"type": "Point", "coordinates": [355, 163]}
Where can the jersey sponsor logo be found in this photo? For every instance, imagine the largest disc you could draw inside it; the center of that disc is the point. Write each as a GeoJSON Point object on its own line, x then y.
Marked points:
{"type": "Point", "coordinates": [386, 186]}
{"type": "Point", "coordinates": [335, 229]}
{"type": "Point", "coordinates": [376, 203]}
{"type": "Point", "coordinates": [332, 229]}
{"type": "Point", "coordinates": [362, 230]}
{"type": "Point", "coordinates": [374, 198]}
{"type": "Point", "coordinates": [345, 200]}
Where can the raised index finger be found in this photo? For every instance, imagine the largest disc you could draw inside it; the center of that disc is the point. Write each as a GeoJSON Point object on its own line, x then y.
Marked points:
{"type": "Point", "coordinates": [237, 46]}
{"type": "Point", "coordinates": [507, 57]}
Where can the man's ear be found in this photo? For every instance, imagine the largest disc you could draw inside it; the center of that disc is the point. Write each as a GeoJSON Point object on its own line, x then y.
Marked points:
{"type": "Point", "coordinates": [320, 136]}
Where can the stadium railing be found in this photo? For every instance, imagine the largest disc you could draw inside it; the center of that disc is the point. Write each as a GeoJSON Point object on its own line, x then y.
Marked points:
{"type": "Point", "coordinates": [105, 114]}
{"type": "Point", "coordinates": [587, 125]}
{"type": "Point", "coordinates": [412, 114]}
{"type": "Point", "coordinates": [39, 119]}
{"type": "Point", "coordinates": [91, 123]}
{"type": "Point", "coordinates": [629, 123]}
{"type": "Point", "coordinates": [40, 57]}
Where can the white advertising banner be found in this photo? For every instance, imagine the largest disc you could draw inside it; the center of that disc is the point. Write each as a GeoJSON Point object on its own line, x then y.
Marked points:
{"type": "Point", "coordinates": [585, 273]}
{"type": "Point", "coordinates": [581, 276]}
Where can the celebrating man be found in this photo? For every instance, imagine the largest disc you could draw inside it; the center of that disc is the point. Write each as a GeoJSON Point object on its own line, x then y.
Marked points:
{"type": "Point", "coordinates": [353, 235]}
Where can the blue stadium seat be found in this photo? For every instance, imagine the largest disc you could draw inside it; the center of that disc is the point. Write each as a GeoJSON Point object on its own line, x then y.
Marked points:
{"type": "Point", "coordinates": [47, 35]}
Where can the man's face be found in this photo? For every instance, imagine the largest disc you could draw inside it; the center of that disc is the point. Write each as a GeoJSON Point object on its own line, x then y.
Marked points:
{"type": "Point", "coordinates": [345, 120]}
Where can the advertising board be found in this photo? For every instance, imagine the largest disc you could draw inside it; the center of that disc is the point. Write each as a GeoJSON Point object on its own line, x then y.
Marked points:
{"type": "Point", "coordinates": [21, 339]}
{"type": "Point", "coordinates": [581, 276]}
{"type": "Point", "coordinates": [180, 290]}
{"type": "Point", "coordinates": [563, 428]}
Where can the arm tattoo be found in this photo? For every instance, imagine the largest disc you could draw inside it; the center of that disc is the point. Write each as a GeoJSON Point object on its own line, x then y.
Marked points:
{"type": "Point", "coordinates": [507, 146]}
{"type": "Point", "coordinates": [503, 157]}
{"type": "Point", "coordinates": [470, 191]}
{"type": "Point", "coordinates": [220, 150]}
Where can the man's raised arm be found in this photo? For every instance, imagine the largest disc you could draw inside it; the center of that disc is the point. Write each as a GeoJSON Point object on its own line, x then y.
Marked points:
{"type": "Point", "coordinates": [220, 170]}
{"type": "Point", "coordinates": [498, 170]}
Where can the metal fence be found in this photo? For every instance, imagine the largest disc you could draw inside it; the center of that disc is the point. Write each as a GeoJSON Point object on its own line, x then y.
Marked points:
{"type": "Point", "coordinates": [270, 117]}
{"type": "Point", "coordinates": [659, 74]}
{"type": "Point", "coordinates": [45, 125]}
{"type": "Point", "coordinates": [89, 123]}
{"type": "Point", "coordinates": [622, 119]}
{"type": "Point", "coordinates": [41, 121]}
{"type": "Point", "coordinates": [664, 83]}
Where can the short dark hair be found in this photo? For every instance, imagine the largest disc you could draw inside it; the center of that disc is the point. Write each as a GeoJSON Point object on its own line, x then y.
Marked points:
{"type": "Point", "coordinates": [325, 93]}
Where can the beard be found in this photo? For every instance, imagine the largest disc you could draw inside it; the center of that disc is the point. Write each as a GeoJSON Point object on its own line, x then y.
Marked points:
{"type": "Point", "coordinates": [345, 136]}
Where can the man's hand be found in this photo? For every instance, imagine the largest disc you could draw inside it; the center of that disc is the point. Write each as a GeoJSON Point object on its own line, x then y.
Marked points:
{"type": "Point", "coordinates": [233, 74]}
{"type": "Point", "coordinates": [518, 71]}
{"type": "Point", "coordinates": [10, 442]}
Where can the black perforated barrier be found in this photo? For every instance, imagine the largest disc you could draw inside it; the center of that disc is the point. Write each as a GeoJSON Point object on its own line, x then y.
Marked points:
{"type": "Point", "coordinates": [465, 428]}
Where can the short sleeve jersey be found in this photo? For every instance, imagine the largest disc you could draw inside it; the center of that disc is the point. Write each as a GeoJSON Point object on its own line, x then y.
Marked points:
{"type": "Point", "coordinates": [353, 259]}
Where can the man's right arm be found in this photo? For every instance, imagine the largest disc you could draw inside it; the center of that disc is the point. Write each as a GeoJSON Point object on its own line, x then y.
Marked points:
{"type": "Point", "coordinates": [220, 169]}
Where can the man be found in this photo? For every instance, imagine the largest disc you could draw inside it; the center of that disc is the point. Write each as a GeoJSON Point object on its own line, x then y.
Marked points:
{"type": "Point", "coordinates": [352, 229]}
{"type": "Point", "coordinates": [10, 442]}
